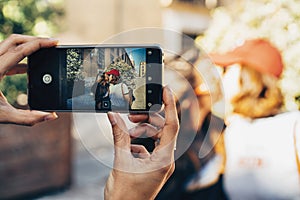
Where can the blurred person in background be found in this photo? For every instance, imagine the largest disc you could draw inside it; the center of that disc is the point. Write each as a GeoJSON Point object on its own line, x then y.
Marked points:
{"type": "Point", "coordinates": [257, 156]}
{"type": "Point", "coordinates": [261, 140]}
{"type": "Point", "coordinates": [195, 177]}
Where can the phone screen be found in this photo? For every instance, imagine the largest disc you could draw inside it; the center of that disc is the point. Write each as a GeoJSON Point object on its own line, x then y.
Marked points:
{"type": "Point", "coordinates": [93, 78]}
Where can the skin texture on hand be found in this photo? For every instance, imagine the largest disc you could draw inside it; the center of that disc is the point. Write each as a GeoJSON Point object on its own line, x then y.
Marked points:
{"type": "Point", "coordinates": [138, 174]}
{"type": "Point", "coordinates": [12, 50]}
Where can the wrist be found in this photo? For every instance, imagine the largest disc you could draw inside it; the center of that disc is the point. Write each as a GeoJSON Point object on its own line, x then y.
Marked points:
{"type": "Point", "coordinates": [119, 187]}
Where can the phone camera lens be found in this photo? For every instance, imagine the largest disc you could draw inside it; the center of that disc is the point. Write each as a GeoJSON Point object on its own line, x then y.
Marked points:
{"type": "Point", "coordinates": [149, 53]}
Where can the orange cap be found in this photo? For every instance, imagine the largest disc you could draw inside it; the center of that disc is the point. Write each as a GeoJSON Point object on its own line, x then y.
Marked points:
{"type": "Point", "coordinates": [114, 72]}
{"type": "Point", "coordinates": [257, 53]}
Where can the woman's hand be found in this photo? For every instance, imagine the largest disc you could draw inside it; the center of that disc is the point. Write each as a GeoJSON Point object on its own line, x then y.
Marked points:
{"type": "Point", "coordinates": [12, 50]}
{"type": "Point", "coordinates": [137, 174]}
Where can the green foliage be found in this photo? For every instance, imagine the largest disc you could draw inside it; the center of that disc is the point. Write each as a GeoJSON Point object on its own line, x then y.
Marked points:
{"type": "Point", "coordinates": [74, 65]}
{"type": "Point", "coordinates": [30, 17]}
{"type": "Point", "coordinates": [12, 86]}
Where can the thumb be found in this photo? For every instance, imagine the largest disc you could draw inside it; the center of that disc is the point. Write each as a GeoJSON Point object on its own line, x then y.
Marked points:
{"type": "Point", "coordinates": [9, 114]}
{"type": "Point", "coordinates": [30, 118]}
{"type": "Point", "coordinates": [120, 132]}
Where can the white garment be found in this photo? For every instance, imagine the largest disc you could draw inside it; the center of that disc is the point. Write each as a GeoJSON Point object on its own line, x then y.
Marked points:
{"type": "Point", "coordinates": [261, 157]}
{"type": "Point", "coordinates": [207, 175]}
{"type": "Point", "coordinates": [116, 94]}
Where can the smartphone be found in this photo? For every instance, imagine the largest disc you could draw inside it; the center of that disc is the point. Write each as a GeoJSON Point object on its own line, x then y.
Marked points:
{"type": "Point", "coordinates": [101, 78]}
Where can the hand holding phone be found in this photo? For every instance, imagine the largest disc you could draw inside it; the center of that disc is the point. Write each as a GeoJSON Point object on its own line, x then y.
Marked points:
{"type": "Point", "coordinates": [133, 164]}
{"type": "Point", "coordinates": [13, 50]}
{"type": "Point", "coordinates": [96, 78]}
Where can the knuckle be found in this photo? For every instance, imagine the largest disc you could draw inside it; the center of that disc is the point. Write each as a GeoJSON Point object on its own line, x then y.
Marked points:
{"type": "Point", "coordinates": [167, 169]}
{"type": "Point", "coordinates": [21, 50]}
{"type": "Point", "coordinates": [175, 127]}
{"type": "Point", "coordinates": [30, 122]}
{"type": "Point", "coordinates": [14, 36]}
{"type": "Point", "coordinates": [172, 168]}
{"type": "Point", "coordinates": [118, 134]}
{"type": "Point", "coordinates": [27, 123]}
{"type": "Point", "coordinates": [164, 170]}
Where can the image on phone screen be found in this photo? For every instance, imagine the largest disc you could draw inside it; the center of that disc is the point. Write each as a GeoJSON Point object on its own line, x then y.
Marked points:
{"type": "Point", "coordinates": [106, 78]}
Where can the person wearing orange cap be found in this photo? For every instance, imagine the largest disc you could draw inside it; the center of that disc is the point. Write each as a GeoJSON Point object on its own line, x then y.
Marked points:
{"type": "Point", "coordinates": [114, 72]}
{"type": "Point", "coordinates": [261, 141]}
{"type": "Point", "coordinates": [251, 71]}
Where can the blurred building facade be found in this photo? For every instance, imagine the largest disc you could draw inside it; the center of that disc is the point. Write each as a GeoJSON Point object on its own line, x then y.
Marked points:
{"type": "Point", "coordinates": [93, 21]}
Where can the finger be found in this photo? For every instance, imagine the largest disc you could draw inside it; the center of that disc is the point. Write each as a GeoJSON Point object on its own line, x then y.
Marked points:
{"type": "Point", "coordinates": [139, 151]}
{"type": "Point", "coordinates": [136, 118]}
{"type": "Point", "coordinates": [30, 47]}
{"type": "Point", "coordinates": [14, 40]}
{"type": "Point", "coordinates": [9, 114]}
{"type": "Point", "coordinates": [145, 130]}
{"type": "Point", "coordinates": [28, 118]}
{"type": "Point", "coordinates": [171, 170]}
{"type": "Point", "coordinates": [121, 137]}
{"type": "Point", "coordinates": [18, 69]}
{"type": "Point", "coordinates": [157, 120]}
{"type": "Point", "coordinates": [170, 130]}
{"type": "Point", "coordinates": [15, 54]}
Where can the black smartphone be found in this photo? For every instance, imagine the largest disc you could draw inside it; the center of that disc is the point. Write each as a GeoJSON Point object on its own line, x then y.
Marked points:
{"type": "Point", "coordinates": [101, 78]}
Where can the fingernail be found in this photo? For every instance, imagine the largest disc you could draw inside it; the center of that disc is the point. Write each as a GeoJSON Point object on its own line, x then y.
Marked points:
{"type": "Point", "coordinates": [112, 118]}
{"type": "Point", "coordinates": [50, 117]}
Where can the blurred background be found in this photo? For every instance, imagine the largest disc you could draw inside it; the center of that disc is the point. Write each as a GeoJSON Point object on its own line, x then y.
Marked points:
{"type": "Point", "coordinates": [216, 25]}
